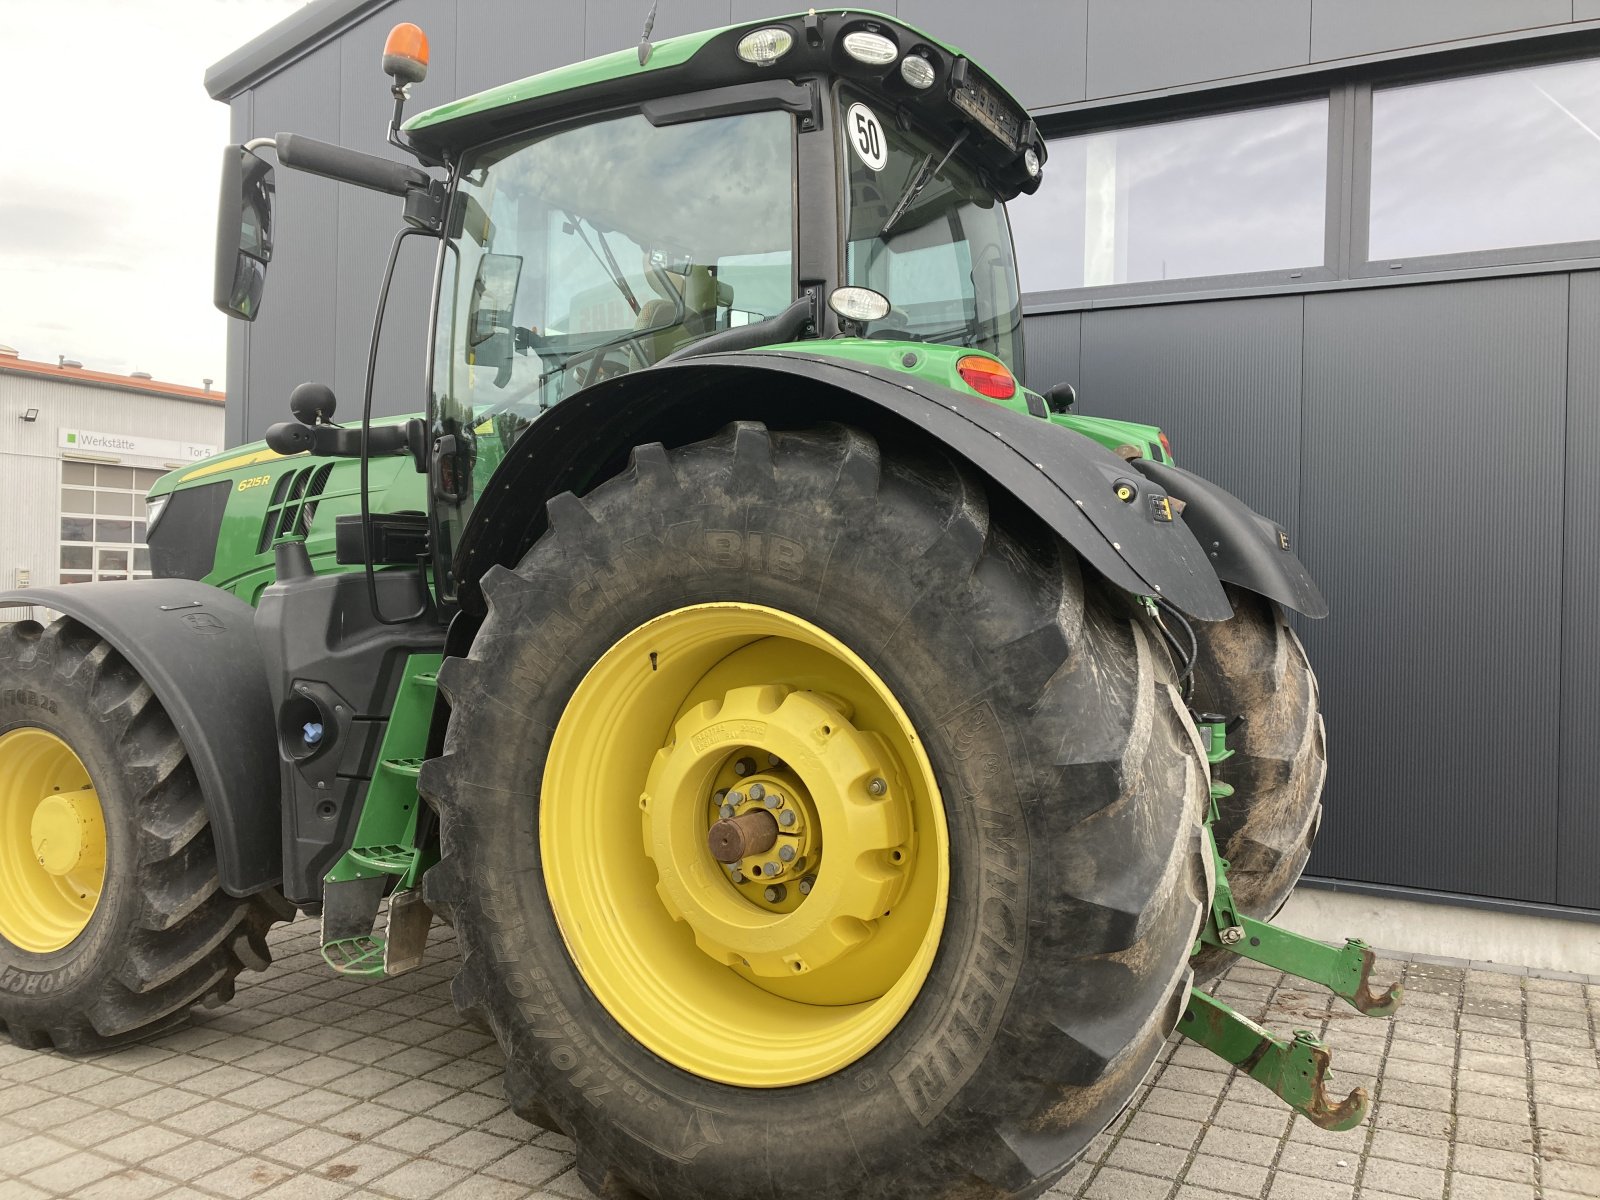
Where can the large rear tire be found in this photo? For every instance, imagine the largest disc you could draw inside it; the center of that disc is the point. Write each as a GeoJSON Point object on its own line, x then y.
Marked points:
{"type": "Point", "coordinates": [1253, 666]}
{"type": "Point", "coordinates": [744, 607]}
{"type": "Point", "coordinates": [111, 920]}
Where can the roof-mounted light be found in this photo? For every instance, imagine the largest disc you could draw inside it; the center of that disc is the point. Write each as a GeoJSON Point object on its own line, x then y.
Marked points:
{"type": "Point", "coordinates": [1030, 160]}
{"type": "Point", "coordinates": [405, 54]}
{"type": "Point", "coordinates": [871, 48]}
{"type": "Point", "coordinates": [859, 303]}
{"type": "Point", "coordinates": [917, 71]}
{"type": "Point", "coordinates": [765, 46]}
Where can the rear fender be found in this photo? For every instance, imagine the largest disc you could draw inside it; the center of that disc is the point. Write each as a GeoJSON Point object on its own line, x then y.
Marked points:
{"type": "Point", "coordinates": [1245, 548]}
{"type": "Point", "coordinates": [1070, 482]}
{"type": "Point", "coordinates": [195, 645]}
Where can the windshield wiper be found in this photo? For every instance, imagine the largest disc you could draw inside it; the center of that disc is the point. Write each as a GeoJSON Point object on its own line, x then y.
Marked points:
{"type": "Point", "coordinates": [609, 262]}
{"type": "Point", "coordinates": [919, 180]}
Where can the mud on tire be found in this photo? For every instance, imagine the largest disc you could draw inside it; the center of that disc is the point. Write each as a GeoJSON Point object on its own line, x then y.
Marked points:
{"type": "Point", "coordinates": [163, 936]}
{"type": "Point", "coordinates": [1073, 787]}
{"type": "Point", "coordinates": [1253, 666]}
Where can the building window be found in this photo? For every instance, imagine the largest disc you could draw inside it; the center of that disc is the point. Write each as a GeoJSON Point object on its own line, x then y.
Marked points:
{"type": "Point", "coordinates": [1230, 194]}
{"type": "Point", "coordinates": [1486, 162]}
{"type": "Point", "coordinates": [103, 522]}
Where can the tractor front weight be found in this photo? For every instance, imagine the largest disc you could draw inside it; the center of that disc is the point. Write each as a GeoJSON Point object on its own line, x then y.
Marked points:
{"type": "Point", "coordinates": [1295, 1069]}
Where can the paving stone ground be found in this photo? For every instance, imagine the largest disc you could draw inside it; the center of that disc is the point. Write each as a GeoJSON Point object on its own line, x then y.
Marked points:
{"type": "Point", "coordinates": [311, 1086]}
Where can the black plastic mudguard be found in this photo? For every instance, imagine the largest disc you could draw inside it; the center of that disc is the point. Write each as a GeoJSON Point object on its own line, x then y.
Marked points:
{"type": "Point", "coordinates": [195, 645]}
{"type": "Point", "coordinates": [1068, 480]}
{"type": "Point", "coordinates": [1245, 548]}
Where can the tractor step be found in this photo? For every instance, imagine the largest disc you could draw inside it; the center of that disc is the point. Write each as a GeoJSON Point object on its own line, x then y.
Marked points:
{"type": "Point", "coordinates": [1296, 1070]}
{"type": "Point", "coordinates": [355, 956]}
{"type": "Point", "coordinates": [401, 947]}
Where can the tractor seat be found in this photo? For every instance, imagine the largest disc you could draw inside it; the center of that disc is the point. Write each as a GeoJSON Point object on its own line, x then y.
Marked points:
{"type": "Point", "coordinates": [702, 296]}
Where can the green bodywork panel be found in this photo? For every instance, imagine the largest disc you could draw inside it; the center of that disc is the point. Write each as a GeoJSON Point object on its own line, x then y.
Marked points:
{"type": "Point", "coordinates": [621, 64]}
{"type": "Point", "coordinates": [263, 482]}
{"type": "Point", "coordinates": [936, 362]}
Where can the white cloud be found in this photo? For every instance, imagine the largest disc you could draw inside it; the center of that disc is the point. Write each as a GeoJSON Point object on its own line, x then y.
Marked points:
{"type": "Point", "coordinates": [109, 153]}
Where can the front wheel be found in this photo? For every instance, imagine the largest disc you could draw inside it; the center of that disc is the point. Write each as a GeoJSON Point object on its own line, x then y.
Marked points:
{"type": "Point", "coordinates": [808, 833]}
{"type": "Point", "coordinates": [112, 922]}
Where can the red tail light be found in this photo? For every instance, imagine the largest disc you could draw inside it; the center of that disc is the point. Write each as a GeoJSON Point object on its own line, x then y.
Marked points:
{"type": "Point", "coordinates": [987, 377]}
{"type": "Point", "coordinates": [1166, 446]}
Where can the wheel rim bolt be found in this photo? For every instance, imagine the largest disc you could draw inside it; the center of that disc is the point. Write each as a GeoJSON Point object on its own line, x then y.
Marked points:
{"type": "Point", "coordinates": [734, 798]}
{"type": "Point", "coordinates": [786, 853]}
{"type": "Point", "coordinates": [757, 791]}
{"type": "Point", "coordinates": [735, 875]}
{"type": "Point", "coordinates": [807, 884]}
{"type": "Point", "coordinates": [726, 811]}
{"type": "Point", "coordinates": [770, 869]}
{"type": "Point", "coordinates": [745, 766]}
{"type": "Point", "coordinates": [774, 761]}
{"type": "Point", "coordinates": [773, 799]}
{"type": "Point", "coordinates": [787, 818]}
{"type": "Point", "coordinates": [877, 787]}
{"type": "Point", "coordinates": [721, 795]}
{"type": "Point", "coordinates": [775, 893]}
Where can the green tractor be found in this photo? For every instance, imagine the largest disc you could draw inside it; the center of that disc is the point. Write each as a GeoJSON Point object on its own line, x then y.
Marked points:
{"type": "Point", "coordinates": [837, 760]}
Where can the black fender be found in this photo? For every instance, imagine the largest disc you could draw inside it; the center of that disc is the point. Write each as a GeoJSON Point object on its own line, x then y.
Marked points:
{"type": "Point", "coordinates": [1245, 548]}
{"type": "Point", "coordinates": [1068, 480]}
{"type": "Point", "coordinates": [195, 645]}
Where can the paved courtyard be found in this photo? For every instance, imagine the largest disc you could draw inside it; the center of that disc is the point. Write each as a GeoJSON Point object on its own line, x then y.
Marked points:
{"type": "Point", "coordinates": [1486, 1086]}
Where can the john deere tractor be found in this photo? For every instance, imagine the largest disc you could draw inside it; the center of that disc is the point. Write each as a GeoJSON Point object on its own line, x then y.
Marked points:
{"type": "Point", "coordinates": [837, 760]}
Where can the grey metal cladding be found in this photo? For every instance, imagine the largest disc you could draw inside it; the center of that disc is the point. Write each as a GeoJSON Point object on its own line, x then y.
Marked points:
{"type": "Point", "coordinates": [1578, 874]}
{"type": "Point", "coordinates": [1221, 379]}
{"type": "Point", "coordinates": [295, 338]}
{"type": "Point", "coordinates": [1052, 342]}
{"type": "Point", "coordinates": [501, 40]}
{"type": "Point", "coordinates": [616, 24]}
{"type": "Point", "coordinates": [1431, 518]}
{"type": "Point", "coordinates": [1035, 47]}
{"type": "Point", "coordinates": [1341, 28]}
{"type": "Point", "coordinates": [1162, 43]}
{"type": "Point", "coordinates": [1585, 10]}
{"type": "Point", "coordinates": [368, 221]}
{"type": "Point", "coordinates": [282, 44]}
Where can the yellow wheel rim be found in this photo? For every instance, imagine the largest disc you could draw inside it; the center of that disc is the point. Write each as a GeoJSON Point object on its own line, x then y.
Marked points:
{"type": "Point", "coordinates": [774, 960]}
{"type": "Point", "coordinates": [52, 842]}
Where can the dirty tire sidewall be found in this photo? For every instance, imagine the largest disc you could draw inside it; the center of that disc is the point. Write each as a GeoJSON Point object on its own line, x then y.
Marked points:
{"type": "Point", "coordinates": [1073, 787]}
{"type": "Point", "coordinates": [1254, 666]}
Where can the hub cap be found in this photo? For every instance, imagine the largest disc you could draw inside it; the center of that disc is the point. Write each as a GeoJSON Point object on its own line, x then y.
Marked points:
{"type": "Point", "coordinates": [52, 842]}
{"type": "Point", "coordinates": [744, 845]}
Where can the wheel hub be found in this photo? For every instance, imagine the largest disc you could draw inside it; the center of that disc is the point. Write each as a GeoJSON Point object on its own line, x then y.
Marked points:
{"type": "Point", "coordinates": [52, 842]}
{"type": "Point", "coordinates": [64, 827]}
{"type": "Point", "coordinates": [733, 712]}
{"type": "Point", "coordinates": [725, 859]}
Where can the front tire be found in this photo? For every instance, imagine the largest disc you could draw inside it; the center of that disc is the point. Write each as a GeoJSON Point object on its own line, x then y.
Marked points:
{"type": "Point", "coordinates": [1067, 779]}
{"type": "Point", "coordinates": [111, 919]}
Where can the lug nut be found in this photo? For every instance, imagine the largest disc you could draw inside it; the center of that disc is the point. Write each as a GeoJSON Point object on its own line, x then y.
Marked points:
{"type": "Point", "coordinates": [770, 869]}
{"type": "Point", "coordinates": [726, 811]}
{"type": "Point", "coordinates": [733, 798]}
{"type": "Point", "coordinates": [806, 884]}
{"type": "Point", "coordinates": [786, 853]}
{"type": "Point", "coordinates": [773, 799]}
{"type": "Point", "coordinates": [735, 874]}
{"type": "Point", "coordinates": [775, 893]}
{"type": "Point", "coordinates": [774, 761]}
{"type": "Point", "coordinates": [745, 766]}
{"type": "Point", "coordinates": [877, 787]}
{"type": "Point", "coordinates": [787, 818]}
{"type": "Point", "coordinates": [721, 795]}
{"type": "Point", "coordinates": [757, 791]}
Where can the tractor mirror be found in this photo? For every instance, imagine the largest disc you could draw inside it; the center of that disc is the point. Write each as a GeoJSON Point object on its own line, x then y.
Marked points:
{"type": "Point", "coordinates": [244, 233]}
{"type": "Point", "coordinates": [494, 296]}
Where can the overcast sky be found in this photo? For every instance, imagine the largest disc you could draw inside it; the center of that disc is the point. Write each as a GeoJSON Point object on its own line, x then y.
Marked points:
{"type": "Point", "coordinates": [109, 153]}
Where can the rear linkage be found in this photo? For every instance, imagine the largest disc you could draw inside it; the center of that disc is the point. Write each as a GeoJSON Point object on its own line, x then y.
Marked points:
{"type": "Point", "coordinates": [1295, 1069]}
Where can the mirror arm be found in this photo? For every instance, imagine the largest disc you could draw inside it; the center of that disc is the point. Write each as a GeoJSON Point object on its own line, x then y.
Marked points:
{"type": "Point", "coordinates": [329, 441]}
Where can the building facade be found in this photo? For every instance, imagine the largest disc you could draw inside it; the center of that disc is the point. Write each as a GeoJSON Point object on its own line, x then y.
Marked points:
{"type": "Point", "coordinates": [78, 451]}
{"type": "Point", "coordinates": [1344, 251]}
